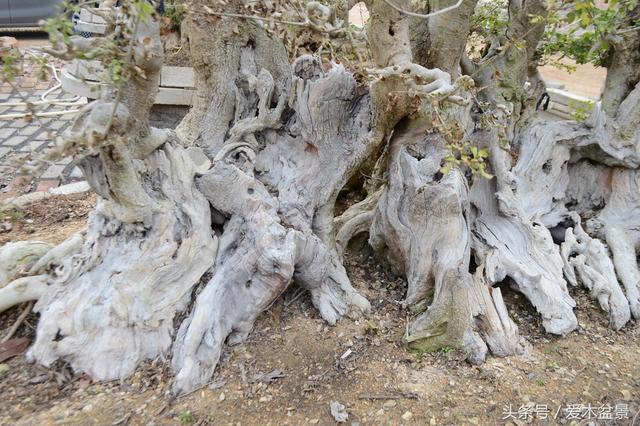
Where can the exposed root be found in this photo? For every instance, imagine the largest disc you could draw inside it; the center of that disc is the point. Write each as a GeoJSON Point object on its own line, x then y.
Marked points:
{"type": "Point", "coordinates": [111, 305]}
{"type": "Point", "coordinates": [469, 315]}
{"type": "Point", "coordinates": [25, 312]}
{"type": "Point", "coordinates": [22, 290]}
{"type": "Point", "coordinates": [618, 224]}
{"type": "Point", "coordinates": [588, 258]}
{"type": "Point", "coordinates": [514, 247]}
{"type": "Point", "coordinates": [279, 202]}
{"type": "Point", "coordinates": [355, 220]}
{"type": "Point", "coordinates": [18, 258]}
{"type": "Point", "coordinates": [422, 217]}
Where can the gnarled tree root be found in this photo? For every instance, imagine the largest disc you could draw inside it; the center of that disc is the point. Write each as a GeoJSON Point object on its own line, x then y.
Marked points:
{"type": "Point", "coordinates": [587, 258]}
{"type": "Point", "coordinates": [422, 218]}
{"type": "Point", "coordinates": [112, 305]}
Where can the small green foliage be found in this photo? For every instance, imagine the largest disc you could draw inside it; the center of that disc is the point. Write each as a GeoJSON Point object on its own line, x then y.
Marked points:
{"type": "Point", "coordinates": [447, 400]}
{"type": "Point", "coordinates": [462, 152]}
{"type": "Point", "coordinates": [551, 349]}
{"type": "Point", "coordinates": [175, 13]}
{"type": "Point", "coordinates": [515, 319]}
{"type": "Point", "coordinates": [10, 66]}
{"type": "Point", "coordinates": [371, 328]}
{"type": "Point", "coordinates": [540, 382]}
{"type": "Point", "coordinates": [580, 111]}
{"type": "Point", "coordinates": [10, 212]}
{"type": "Point", "coordinates": [144, 9]}
{"type": "Point", "coordinates": [552, 365]}
{"type": "Point", "coordinates": [468, 155]}
{"type": "Point", "coordinates": [584, 33]}
{"type": "Point", "coordinates": [113, 50]}
{"type": "Point", "coordinates": [186, 418]}
{"type": "Point", "coordinates": [490, 18]}
{"type": "Point", "coordinates": [447, 350]}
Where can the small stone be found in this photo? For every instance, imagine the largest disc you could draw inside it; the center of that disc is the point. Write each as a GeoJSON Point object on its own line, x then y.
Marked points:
{"type": "Point", "coordinates": [314, 421]}
{"type": "Point", "coordinates": [338, 412]}
{"type": "Point", "coordinates": [221, 397]}
{"type": "Point", "coordinates": [432, 422]}
{"type": "Point", "coordinates": [380, 412]}
{"type": "Point", "coordinates": [626, 394]}
{"type": "Point", "coordinates": [389, 404]}
{"type": "Point", "coordinates": [87, 408]}
{"type": "Point", "coordinates": [408, 415]}
{"type": "Point", "coordinates": [263, 399]}
{"type": "Point", "coordinates": [7, 44]}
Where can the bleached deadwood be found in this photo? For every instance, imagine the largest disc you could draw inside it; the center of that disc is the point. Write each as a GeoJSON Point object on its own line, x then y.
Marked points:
{"type": "Point", "coordinates": [113, 293]}
{"type": "Point", "coordinates": [24, 265]}
{"type": "Point", "coordinates": [542, 171]}
{"type": "Point", "coordinates": [422, 223]}
{"type": "Point", "coordinates": [589, 258]}
{"type": "Point", "coordinates": [22, 290]}
{"type": "Point", "coordinates": [113, 305]}
{"type": "Point", "coordinates": [514, 247]}
{"type": "Point", "coordinates": [18, 258]}
{"type": "Point", "coordinates": [618, 223]}
{"type": "Point", "coordinates": [274, 145]}
{"type": "Point", "coordinates": [355, 220]}
{"type": "Point", "coordinates": [279, 203]}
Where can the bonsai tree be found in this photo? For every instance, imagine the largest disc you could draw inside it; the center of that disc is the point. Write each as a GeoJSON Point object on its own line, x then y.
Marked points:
{"type": "Point", "coordinates": [466, 186]}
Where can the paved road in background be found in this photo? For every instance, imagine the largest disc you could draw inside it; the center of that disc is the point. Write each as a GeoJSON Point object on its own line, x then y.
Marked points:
{"type": "Point", "coordinates": [20, 137]}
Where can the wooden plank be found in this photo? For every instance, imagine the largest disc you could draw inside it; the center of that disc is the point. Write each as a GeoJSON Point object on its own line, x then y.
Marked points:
{"type": "Point", "coordinates": [174, 96]}
{"type": "Point", "coordinates": [177, 77]}
{"type": "Point", "coordinates": [566, 98]}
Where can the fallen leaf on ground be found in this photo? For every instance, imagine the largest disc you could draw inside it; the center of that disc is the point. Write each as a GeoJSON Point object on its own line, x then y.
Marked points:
{"type": "Point", "coordinates": [13, 347]}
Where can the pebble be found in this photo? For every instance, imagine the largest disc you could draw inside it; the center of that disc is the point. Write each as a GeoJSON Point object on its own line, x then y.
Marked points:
{"type": "Point", "coordinates": [432, 422]}
{"type": "Point", "coordinates": [389, 404]}
{"type": "Point", "coordinates": [380, 412]}
{"type": "Point", "coordinates": [221, 397]}
{"type": "Point", "coordinates": [408, 415]}
{"type": "Point", "coordinates": [87, 408]}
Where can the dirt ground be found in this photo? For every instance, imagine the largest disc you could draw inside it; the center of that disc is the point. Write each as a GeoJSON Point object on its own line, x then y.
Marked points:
{"type": "Point", "coordinates": [293, 365]}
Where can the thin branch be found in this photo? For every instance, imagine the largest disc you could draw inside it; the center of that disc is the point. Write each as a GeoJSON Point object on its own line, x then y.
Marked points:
{"type": "Point", "coordinates": [18, 322]}
{"type": "Point", "coordinates": [628, 30]}
{"type": "Point", "coordinates": [259, 18]}
{"type": "Point", "coordinates": [306, 24]}
{"type": "Point", "coordinates": [421, 15]}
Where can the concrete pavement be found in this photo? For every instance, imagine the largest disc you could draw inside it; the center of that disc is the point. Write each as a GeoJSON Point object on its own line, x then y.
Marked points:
{"type": "Point", "coordinates": [23, 137]}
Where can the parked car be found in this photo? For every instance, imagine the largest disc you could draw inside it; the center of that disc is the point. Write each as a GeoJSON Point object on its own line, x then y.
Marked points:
{"type": "Point", "coordinates": [26, 13]}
